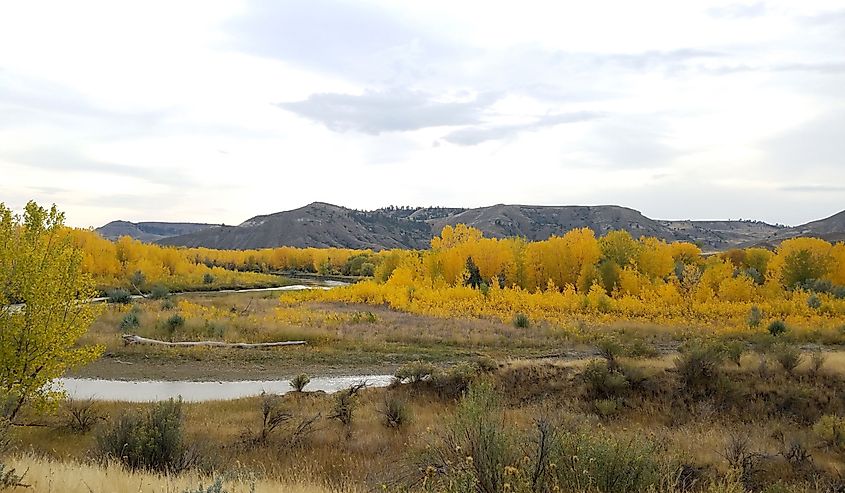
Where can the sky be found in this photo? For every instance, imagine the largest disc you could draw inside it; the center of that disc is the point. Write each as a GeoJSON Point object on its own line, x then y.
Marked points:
{"type": "Point", "coordinates": [216, 111]}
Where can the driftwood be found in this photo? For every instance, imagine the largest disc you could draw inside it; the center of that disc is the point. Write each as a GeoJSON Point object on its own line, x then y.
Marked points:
{"type": "Point", "coordinates": [129, 339]}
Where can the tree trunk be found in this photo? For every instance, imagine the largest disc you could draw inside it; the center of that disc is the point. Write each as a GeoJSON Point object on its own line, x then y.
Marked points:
{"type": "Point", "coordinates": [129, 339]}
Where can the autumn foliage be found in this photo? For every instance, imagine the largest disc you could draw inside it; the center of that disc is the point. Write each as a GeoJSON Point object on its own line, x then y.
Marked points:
{"type": "Point", "coordinates": [128, 262]}
{"type": "Point", "coordinates": [577, 276]}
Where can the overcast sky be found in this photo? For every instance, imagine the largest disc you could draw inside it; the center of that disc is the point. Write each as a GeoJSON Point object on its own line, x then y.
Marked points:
{"type": "Point", "coordinates": [215, 111]}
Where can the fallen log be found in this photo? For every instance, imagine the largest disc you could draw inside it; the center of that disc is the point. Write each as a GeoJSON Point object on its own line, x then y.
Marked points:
{"type": "Point", "coordinates": [129, 339]}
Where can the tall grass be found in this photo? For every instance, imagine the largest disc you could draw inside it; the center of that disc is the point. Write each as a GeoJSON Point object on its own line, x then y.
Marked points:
{"type": "Point", "coordinates": [51, 476]}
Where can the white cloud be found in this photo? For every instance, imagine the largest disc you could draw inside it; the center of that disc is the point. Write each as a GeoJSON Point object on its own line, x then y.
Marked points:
{"type": "Point", "coordinates": [170, 110]}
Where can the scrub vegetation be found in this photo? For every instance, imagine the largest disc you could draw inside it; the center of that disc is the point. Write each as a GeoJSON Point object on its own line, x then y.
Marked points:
{"type": "Point", "coordinates": [576, 364]}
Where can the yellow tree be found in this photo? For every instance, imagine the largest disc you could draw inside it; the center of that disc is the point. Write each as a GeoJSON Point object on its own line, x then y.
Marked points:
{"type": "Point", "coordinates": [43, 312]}
{"type": "Point", "coordinates": [655, 258]}
{"type": "Point", "coordinates": [563, 259]}
{"type": "Point", "coordinates": [799, 260]}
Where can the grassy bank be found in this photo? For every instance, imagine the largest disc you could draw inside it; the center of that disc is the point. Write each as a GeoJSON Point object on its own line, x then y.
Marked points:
{"type": "Point", "coordinates": [346, 338]}
{"type": "Point", "coordinates": [757, 426]}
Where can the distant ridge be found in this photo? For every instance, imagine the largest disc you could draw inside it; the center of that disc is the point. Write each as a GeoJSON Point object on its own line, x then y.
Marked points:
{"type": "Point", "coordinates": [830, 228]}
{"type": "Point", "coordinates": [321, 224]}
{"type": "Point", "coordinates": [149, 231]}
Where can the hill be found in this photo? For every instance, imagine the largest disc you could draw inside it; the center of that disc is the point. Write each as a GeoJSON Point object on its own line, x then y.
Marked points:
{"type": "Point", "coordinates": [149, 231]}
{"type": "Point", "coordinates": [721, 235]}
{"type": "Point", "coordinates": [539, 222]}
{"type": "Point", "coordinates": [325, 225]}
{"type": "Point", "coordinates": [830, 228]}
{"type": "Point", "coordinates": [315, 225]}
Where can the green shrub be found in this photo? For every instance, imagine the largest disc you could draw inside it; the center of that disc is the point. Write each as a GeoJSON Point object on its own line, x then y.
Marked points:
{"type": "Point", "coordinates": [606, 408]}
{"type": "Point", "coordinates": [159, 292]}
{"type": "Point", "coordinates": [345, 403]}
{"type": "Point", "coordinates": [777, 327]}
{"type": "Point", "coordinates": [414, 372]}
{"type": "Point", "coordinates": [173, 323]}
{"type": "Point", "coordinates": [215, 487]}
{"type": "Point", "coordinates": [640, 349]}
{"type": "Point", "coordinates": [609, 349]}
{"type": "Point", "coordinates": [81, 415]}
{"type": "Point", "coordinates": [215, 330]}
{"type": "Point", "coordinates": [208, 278]}
{"type": "Point", "coordinates": [606, 464]}
{"type": "Point", "coordinates": [814, 302]}
{"type": "Point", "coordinates": [699, 367]}
{"type": "Point", "coordinates": [788, 356]}
{"type": "Point", "coordinates": [474, 447]}
{"type": "Point", "coordinates": [486, 364]}
{"type": "Point", "coordinates": [299, 382]}
{"type": "Point", "coordinates": [817, 361]}
{"type": "Point", "coordinates": [755, 317]}
{"type": "Point", "coordinates": [521, 320]}
{"type": "Point", "coordinates": [152, 441]}
{"type": "Point", "coordinates": [367, 269]}
{"type": "Point", "coordinates": [129, 322]}
{"type": "Point", "coordinates": [363, 318]}
{"type": "Point", "coordinates": [395, 412]}
{"type": "Point", "coordinates": [137, 279]}
{"type": "Point", "coordinates": [604, 382]}
{"type": "Point", "coordinates": [168, 304]}
{"type": "Point", "coordinates": [733, 351]}
{"type": "Point", "coordinates": [830, 430]}
{"type": "Point", "coordinates": [119, 296]}
{"type": "Point", "coordinates": [454, 381]}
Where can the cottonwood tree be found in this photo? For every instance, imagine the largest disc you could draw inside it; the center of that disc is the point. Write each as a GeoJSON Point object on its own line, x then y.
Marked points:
{"type": "Point", "coordinates": [43, 309]}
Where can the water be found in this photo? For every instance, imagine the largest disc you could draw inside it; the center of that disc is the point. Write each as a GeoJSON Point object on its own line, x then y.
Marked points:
{"type": "Point", "coordinates": [327, 284]}
{"type": "Point", "coordinates": [155, 390]}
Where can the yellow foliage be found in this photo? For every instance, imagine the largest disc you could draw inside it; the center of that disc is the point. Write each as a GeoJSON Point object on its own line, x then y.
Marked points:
{"type": "Point", "coordinates": [565, 279]}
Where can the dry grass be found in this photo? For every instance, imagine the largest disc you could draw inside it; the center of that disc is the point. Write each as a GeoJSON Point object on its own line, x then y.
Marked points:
{"type": "Point", "coordinates": [370, 453]}
{"type": "Point", "coordinates": [221, 430]}
{"type": "Point", "coordinates": [52, 476]}
{"type": "Point", "coordinates": [341, 339]}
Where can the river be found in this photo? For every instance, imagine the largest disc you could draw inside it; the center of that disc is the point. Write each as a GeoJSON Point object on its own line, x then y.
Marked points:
{"type": "Point", "coordinates": [156, 390]}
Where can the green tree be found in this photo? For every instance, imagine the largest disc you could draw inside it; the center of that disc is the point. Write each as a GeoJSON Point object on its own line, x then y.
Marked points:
{"type": "Point", "coordinates": [801, 266]}
{"type": "Point", "coordinates": [41, 271]}
{"type": "Point", "coordinates": [473, 275]}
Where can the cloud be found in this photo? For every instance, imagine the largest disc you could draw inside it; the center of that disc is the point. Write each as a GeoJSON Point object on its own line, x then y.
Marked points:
{"type": "Point", "coordinates": [738, 11]}
{"type": "Point", "coordinates": [26, 99]}
{"type": "Point", "coordinates": [359, 41]}
{"type": "Point", "coordinates": [475, 135]}
{"type": "Point", "coordinates": [823, 68]}
{"type": "Point", "coordinates": [69, 160]}
{"type": "Point", "coordinates": [834, 18]}
{"type": "Point", "coordinates": [813, 188]}
{"type": "Point", "coordinates": [651, 59]}
{"type": "Point", "coordinates": [816, 145]}
{"type": "Point", "coordinates": [631, 141]}
{"type": "Point", "coordinates": [374, 112]}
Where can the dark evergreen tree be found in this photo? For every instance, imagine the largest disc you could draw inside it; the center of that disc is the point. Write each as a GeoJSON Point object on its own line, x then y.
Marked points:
{"type": "Point", "coordinates": [474, 279]}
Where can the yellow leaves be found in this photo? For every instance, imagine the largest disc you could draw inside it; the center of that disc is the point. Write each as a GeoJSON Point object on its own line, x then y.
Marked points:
{"type": "Point", "coordinates": [716, 270]}
{"type": "Point", "coordinates": [41, 268]}
{"type": "Point", "coordinates": [631, 282]}
{"type": "Point", "coordinates": [451, 237]}
{"type": "Point", "coordinates": [655, 258]}
{"type": "Point", "coordinates": [684, 252]}
{"type": "Point", "coordinates": [619, 247]}
{"type": "Point", "coordinates": [657, 302]}
{"type": "Point", "coordinates": [799, 260]}
{"type": "Point", "coordinates": [837, 271]}
{"type": "Point", "coordinates": [561, 258]}
{"type": "Point", "coordinates": [739, 288]}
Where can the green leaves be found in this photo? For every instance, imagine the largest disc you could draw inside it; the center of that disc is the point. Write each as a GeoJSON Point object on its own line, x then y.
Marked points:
{"type": "Point", "coordinates": [42, 269]}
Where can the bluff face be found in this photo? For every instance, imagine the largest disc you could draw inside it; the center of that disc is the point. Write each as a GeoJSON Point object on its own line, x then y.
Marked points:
{"type": "Point", "coordinates": [325, 225]}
